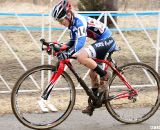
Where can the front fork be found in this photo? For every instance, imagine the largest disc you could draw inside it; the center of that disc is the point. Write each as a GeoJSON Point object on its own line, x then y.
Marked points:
{"type": "Point", "coordinates": [55, 76]}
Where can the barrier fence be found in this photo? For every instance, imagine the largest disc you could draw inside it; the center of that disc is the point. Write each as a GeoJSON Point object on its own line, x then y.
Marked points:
{"type": "Point", "coordinates": [33, 28]}
{"type": "Point", "coordinates": [101, 14]}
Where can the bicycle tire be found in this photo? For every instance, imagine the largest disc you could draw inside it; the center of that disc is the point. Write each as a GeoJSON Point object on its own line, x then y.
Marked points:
{"type": "Point", "coordinates": [17, 86]}
{"type": "Point", "coordinates": [114, 112]}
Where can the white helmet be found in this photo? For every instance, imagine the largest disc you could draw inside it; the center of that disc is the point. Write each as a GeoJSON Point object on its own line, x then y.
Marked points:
{"type": "Point", "coordinates": [61, 10]}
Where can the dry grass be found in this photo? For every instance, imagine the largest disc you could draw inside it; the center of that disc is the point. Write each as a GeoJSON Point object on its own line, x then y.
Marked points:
{"type": "Point", "coordinates": [30, 55]}
{"type": "Point", "coordinates": [60, 100]}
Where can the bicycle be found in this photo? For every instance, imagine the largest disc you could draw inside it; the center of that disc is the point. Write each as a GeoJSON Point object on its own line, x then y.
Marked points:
{"type": "Point", "coordinates": [132, 101]}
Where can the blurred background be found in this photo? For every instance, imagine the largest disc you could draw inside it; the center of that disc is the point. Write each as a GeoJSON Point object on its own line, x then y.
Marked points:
{"type": "Point", "coordinates": [122, 5]}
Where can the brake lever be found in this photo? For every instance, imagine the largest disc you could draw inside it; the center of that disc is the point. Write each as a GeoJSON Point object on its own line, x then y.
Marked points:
{"type": "Point", "coordinates": [43, 48]}
{"type": "Point", "coordinates": [43, 43]}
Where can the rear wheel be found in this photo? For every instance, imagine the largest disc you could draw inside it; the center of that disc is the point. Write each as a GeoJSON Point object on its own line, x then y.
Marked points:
{"type": "Point", "coordinates": [140, 107]}
{"type": "Point", "coordinates": [27, 103]}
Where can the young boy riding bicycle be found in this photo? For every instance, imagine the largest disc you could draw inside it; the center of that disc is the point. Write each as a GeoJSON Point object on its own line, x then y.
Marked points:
{"type": "Point", "coordinates": [80, 28]}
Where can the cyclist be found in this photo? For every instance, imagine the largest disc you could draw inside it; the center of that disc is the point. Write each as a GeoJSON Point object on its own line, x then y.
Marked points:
{"type": "Point", "coordinates": [80, 28]}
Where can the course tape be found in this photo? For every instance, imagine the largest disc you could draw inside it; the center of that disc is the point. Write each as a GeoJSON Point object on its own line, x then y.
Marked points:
{"type": "Point", "coordinates": [85, 14]}
{"type": "Point", "coordinates": [20, 28]}
{"type": "Point", "coordinates": [22, 14]}
{"type": "Point", "coordinates": [28, 27]}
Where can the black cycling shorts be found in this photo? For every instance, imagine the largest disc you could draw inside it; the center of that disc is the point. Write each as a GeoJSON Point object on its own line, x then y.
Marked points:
{"type": "Point", "coordinates": [100, 49]}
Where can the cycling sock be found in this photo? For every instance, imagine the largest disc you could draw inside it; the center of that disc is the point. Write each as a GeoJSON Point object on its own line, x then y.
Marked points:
{"type": "Point", "coordinates": [100, 71]}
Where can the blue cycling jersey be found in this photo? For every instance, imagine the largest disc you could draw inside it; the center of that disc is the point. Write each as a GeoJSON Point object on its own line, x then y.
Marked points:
{"type": "Point", "coordinates": [83, 27]}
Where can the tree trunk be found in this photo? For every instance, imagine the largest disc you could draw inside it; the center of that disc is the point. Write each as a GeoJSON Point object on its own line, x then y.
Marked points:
{"type": "Point", "coordinates": [111, 5]}
{"type": "Point", "coordinates": [35, 2]}
{"type": "Point", "coordinates": [99, 5]}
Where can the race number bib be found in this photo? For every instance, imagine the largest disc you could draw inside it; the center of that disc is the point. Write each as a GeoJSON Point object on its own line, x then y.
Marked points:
{"type": "Point", "coordinates": [96, 25]}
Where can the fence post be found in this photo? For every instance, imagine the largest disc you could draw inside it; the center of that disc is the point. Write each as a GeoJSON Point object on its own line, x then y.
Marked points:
{"type": "Point", "coordinates": [158, 42]}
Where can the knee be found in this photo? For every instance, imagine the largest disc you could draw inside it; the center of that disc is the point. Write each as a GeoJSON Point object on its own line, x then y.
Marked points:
{"type": "Point", "coordinates": [82, 57]}
{"type": "Point", "coordinates": [79, 58]}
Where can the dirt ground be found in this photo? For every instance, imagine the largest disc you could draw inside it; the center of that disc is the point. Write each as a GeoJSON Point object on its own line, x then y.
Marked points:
{"type": "Point", "coordinates": [27, 51]}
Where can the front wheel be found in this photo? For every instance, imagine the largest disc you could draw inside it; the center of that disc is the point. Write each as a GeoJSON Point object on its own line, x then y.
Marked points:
{"type": "Point", "coordinates": [127, 107]}
{"type": "Point", "coordinates": [34, 112]}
